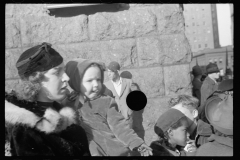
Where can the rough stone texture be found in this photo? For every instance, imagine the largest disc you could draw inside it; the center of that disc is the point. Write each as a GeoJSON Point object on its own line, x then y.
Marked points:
{"type": "Point", "coordinates": [34, 30]}
{"type": "Point", "coordinates": [106, 26]}
{"type": "Point", "coordinates": [12, 33]}
{"type": "Point", "coordinates": [177, 79]}
{"type": "Point", "coordinates": [133, 5]}
{"type": "Point", "coordinates": [164, 49]}
{"type": "Point", "coordinates": [9, 10]}
{"type": "Point", "coordinates": [122, 51]}
{"type": "Point", "coordinates": [11, 57]}
{"type": "Point", "coordinates": [12, 84]}
{"type": "Point", "coordinates": [21, 10]}
{"type": "Point", "coordinates": [169, 18]}
{"type": "Point", "coordinates": [150, 80]}
{"type": "Point", "coordinates": [68, 30]}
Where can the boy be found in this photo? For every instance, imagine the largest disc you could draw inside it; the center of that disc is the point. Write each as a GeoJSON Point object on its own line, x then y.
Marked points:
{"type": "Point", "coordinates": [171, 127]}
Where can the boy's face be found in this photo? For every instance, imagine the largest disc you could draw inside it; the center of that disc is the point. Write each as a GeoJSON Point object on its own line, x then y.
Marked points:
{"type": "Point", "coordinates": [54, 84]}
{"type": "Point", "coordinates": [179, 135]}
{"type": "Point", "coordinates": [91, 83]}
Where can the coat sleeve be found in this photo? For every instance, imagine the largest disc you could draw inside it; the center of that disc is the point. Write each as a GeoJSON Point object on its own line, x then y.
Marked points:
{"type": "Point", "coordinates": [121, 128]}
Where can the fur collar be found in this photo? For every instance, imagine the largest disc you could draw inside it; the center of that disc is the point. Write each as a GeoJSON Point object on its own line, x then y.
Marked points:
{"type": "Point", "coordinates": [51, 122]}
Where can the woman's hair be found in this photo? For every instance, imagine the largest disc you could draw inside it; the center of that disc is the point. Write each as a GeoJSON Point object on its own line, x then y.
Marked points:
{"type": "Point", "coordinates": [28, 88]}
{"type": "Point", "coordinates": [165, 137]}
{"type": "Point", "coordinates": [187, 101]}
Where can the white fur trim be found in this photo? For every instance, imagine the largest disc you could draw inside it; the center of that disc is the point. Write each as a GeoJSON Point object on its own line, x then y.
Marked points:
{"type": "Point", "coordinates": [15, 114]}
{"type": "Point", "coordinates": [51, 122]}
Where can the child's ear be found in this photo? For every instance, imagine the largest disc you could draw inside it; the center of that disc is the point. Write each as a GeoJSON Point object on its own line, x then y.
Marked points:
{"type": "Point", "coordinates": [170, 132]}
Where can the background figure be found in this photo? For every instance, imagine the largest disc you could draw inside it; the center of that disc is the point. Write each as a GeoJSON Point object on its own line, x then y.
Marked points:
{"type": "Point", "coordinates": [220, 115]}
{"type": "Point", "coordinates": [209, 85]}
{"type": "Point", "coordinates": [120, 88]}
{"type": "Point", "coordinates": [196, 82]}
{"type": "Point", "coordinates": [36, 124]}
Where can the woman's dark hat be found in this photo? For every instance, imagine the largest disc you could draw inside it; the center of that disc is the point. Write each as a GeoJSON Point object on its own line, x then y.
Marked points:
{"type": "Point", "coordinates": [39, 58]}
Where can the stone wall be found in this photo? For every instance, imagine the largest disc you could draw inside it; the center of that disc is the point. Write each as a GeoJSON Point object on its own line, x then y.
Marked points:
{"type": "Point", "coordinates": [147, 40]}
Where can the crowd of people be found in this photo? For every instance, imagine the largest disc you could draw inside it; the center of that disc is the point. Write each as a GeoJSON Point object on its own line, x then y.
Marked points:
{"type": "Point", "coordinates": [43, 118]}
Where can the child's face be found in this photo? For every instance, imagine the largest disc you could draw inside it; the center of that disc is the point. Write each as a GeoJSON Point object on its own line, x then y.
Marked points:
{"type": "Point", "coordinates": [91, 83]}
{"type": "Point", "coordinates": [179, 135]}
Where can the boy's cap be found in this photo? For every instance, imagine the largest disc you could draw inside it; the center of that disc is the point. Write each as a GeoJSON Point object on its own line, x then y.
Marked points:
{"type": "Point", "coordinates": [166, 120]}
{"type": "Point", "coordinates": [38, 58]}
{"type": "Point", "coordinates": [114, 66]}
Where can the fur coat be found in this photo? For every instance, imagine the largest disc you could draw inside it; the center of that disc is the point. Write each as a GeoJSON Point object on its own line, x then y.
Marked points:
{"type": "Point", "coordinates": [34, 129]}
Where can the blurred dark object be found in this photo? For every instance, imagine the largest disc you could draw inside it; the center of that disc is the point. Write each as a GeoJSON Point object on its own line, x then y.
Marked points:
{"type": "Point", "coordinates": [203, 77]}
{"type": "Point", "coordinates": [181, 5]}
{"type": "Point", "coordinates": [126, 74]}
{"type": "Point", "coordinates": [226, 85]}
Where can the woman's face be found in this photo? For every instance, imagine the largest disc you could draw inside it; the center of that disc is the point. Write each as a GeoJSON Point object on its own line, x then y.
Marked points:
{"type": "Point", "coordinates": [54, 84]}
{"type": "Point", "coordinates": [91, 84]}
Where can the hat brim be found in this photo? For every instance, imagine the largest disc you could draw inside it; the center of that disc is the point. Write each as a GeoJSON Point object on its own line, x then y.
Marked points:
{"type": "Point", "coordinates": [209, 109]}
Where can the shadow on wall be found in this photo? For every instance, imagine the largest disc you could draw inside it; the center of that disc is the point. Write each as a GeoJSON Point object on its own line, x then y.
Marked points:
{"type": "Point", "coordinates": [87, 10]}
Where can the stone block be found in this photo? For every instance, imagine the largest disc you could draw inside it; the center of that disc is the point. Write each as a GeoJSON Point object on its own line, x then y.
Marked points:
{"type": "Point", "coordinates": [122, 51]}
{"type": "Point", "coordinates": [163, 50]}
{"type": "Point", "coordinates": [12, 85]}
{"type": "Point", "coordinates": [125, 24]}
{"type": "Point", "coordinates": [12, 33]}
{"type": "Point", "coordinates": [11, 57]}
{"type": "Point", "coordinates": [9, 10]}
{"type": "Point", "coordinates": [34, 30]}
{"type": "Point", "coordinates": [177, 79]}
{"type": "Point", "coordinates": [68, 30]}
{"type": "Point", "coordinates": [22, 10]}
{"type": "Point", "coordinates": [170, 18]}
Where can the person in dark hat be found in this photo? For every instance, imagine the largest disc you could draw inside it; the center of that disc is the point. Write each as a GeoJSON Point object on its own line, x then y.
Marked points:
{"type": "Point", "coordinates": [36, 124]}
{"type": "Point", "coordinates": [171, 128]}
{"type": "Point", "coordinates": [209, 85]}
{"type": "Point", "coordinates": [196, 82]}
{"type": "Point", "coordinates": [220, 115]}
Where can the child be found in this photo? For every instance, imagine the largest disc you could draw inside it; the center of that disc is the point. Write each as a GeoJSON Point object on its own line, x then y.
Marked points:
{"type": "Point", "coordinates": [171, 127]}
{"type": "Point", "coordinates": [107, 130]}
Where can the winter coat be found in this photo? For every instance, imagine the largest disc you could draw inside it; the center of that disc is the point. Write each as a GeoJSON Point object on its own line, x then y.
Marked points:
{"type": "Point", "coordinates": [207, 89]}
{"type": "Point", "coordinates": [43, 129]}
{"type": "Point", "coordinates": [160, 150]}
{"type": "Point", "coordinates": [108, 131]}
{"type": "Point", "coordinates": [204, 131]}
{"type": "Point", "coordinates": [121, 100]}
{"type": "Point", "coordinates": [197, 84]}
{"type": "Point", "coordinates": [218, 146]}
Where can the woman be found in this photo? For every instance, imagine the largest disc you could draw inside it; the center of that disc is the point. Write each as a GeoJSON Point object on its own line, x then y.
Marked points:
{"type": "Point", "coordinates": [36, 124]}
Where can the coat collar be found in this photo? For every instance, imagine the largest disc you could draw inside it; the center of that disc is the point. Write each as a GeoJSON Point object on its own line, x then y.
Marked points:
{"type": "Point", "coordinates": [51, 122]}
